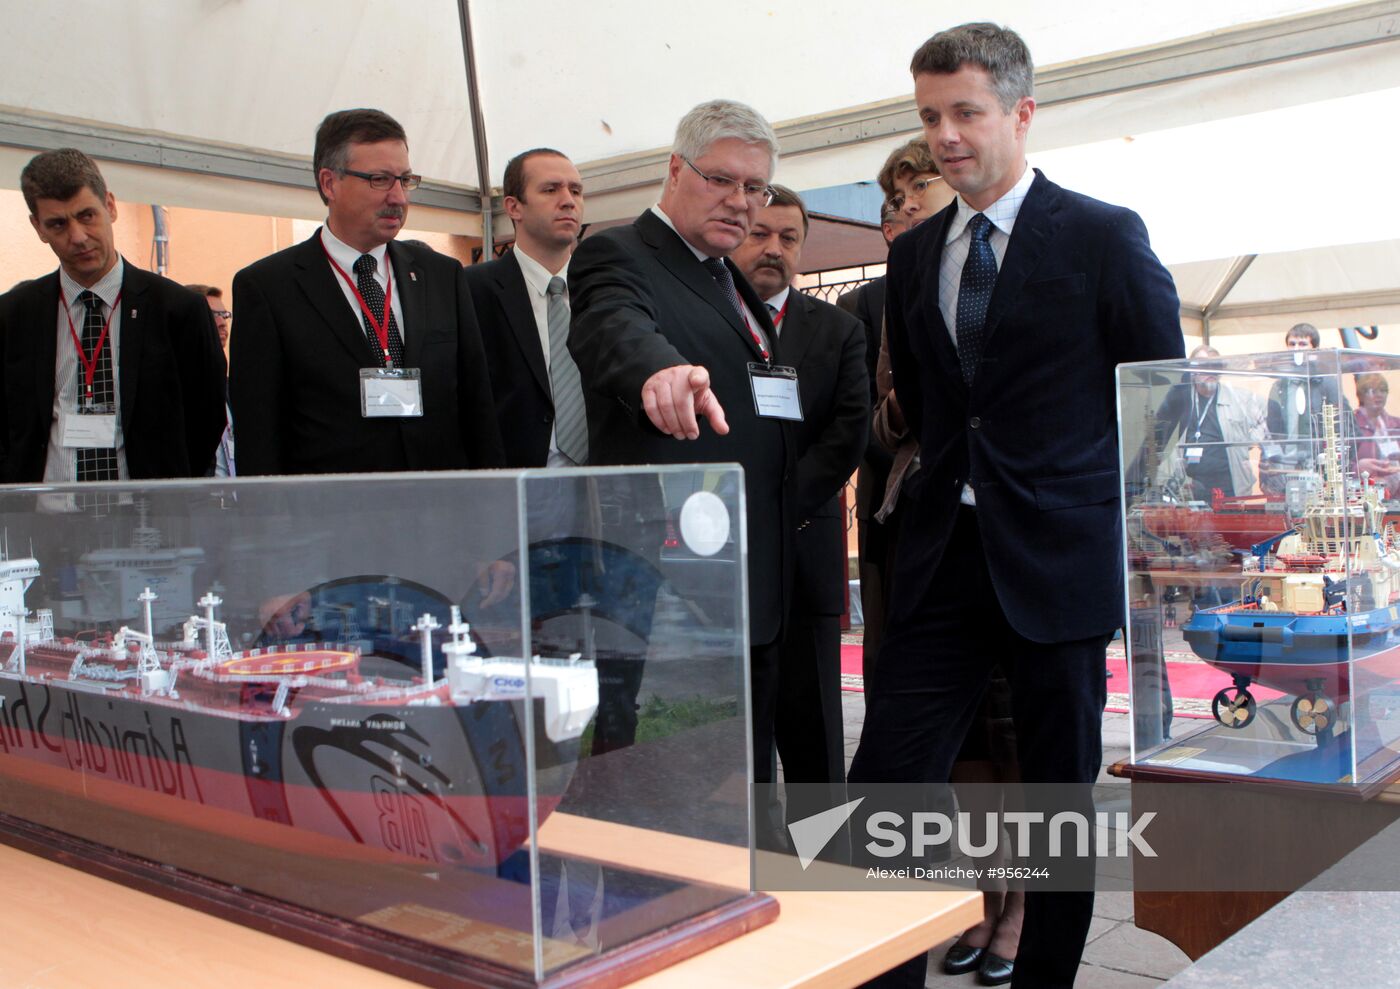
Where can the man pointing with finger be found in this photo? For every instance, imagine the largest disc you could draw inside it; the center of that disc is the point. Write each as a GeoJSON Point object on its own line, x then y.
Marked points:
{"type": "Point", "coordinates": [676, 353]}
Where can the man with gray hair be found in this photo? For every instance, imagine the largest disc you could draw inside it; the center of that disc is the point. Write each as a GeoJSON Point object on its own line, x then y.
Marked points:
{"type": "Point", "coordinates": [667, 332]}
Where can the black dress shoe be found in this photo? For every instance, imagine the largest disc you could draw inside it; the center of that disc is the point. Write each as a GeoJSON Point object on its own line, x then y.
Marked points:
{"type": "Point", "coordinates": [995, 970]}
{"type": "Point", "coordinates": [960, 958]}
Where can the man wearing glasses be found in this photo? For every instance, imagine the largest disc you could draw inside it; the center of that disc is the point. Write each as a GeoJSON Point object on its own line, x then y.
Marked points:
{"type": "Point", "coordinates": [667, 333]}
{"type": "Point", "coordinates": [356, 353]}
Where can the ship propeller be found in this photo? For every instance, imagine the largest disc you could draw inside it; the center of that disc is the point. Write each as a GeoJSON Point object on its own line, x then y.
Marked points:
{"type": "Point", "coordinates": [1235, 711]}
{"type": "Point", "coordinates": [1312, 714]}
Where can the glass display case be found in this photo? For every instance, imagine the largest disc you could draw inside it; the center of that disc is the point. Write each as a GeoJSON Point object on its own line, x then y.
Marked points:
{"type": "Point", "coordinates": [1260, 517]}
{"type": "Point", "coordinates": [305, 703]}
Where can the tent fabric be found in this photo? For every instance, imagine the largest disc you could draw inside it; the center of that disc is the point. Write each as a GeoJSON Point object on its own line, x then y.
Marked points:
{"type": "Point", "coordinates": [1213, 159]}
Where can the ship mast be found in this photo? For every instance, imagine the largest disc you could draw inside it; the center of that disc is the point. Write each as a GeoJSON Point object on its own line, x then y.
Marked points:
{"type": "Point", "coordinates": [425, 627]}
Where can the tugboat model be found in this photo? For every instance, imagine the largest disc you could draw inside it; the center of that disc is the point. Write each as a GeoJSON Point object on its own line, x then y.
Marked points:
{"type": "Point", "coordinates": [434, 769]}
{"type": "Point", "coordinates": [1318, 614]}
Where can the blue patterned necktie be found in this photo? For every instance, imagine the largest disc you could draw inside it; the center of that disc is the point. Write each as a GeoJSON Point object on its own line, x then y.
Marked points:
{"type": "Point", "coordinates": [979, 276]}
{"type": "Point", "coordinates": [570, 420]}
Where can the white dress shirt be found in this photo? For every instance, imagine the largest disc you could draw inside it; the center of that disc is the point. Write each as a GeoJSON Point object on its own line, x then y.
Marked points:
{"type": "Point", "coordinates": [1002, 216]}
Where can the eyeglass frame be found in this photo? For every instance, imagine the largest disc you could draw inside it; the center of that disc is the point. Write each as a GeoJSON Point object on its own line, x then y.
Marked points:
{"type": "Point", "coordinates": [408, 180]}
{"type": "Point", "coordinates": [917, 188]}
{"type": "Point", "coordinates": [729, 185]}
{"type": "Point", "coordinates": [222, 313]}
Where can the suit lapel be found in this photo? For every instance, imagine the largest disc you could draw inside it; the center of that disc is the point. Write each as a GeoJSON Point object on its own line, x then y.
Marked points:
{"type": "Point", "coordinates": [38, 323]}
{"type": "Point", "coordinates": [795, 338]}
{"type": "Point", "coordinates": [134, 318]}
{"type": "Point", "coordinates": [1036, 224]}
{"type": "Point", "coordinates": [410, 288]}
{"type": "Point", "coordinates": [930, 264]}
{"type": "Point", "coordinates": [514, 294]}
{"type": "Point", "coordinates": [318, 282]}
{"type": "Point", "coordinates": [673, 252]}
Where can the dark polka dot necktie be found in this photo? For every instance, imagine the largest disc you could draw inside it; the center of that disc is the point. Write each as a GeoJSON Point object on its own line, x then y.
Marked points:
{"type": "Point", "coordinates": [979, 276]}
{"type": "Point", "coordinates": [96, 464]}
{"type": "Point", "coordinates": [374, 298]}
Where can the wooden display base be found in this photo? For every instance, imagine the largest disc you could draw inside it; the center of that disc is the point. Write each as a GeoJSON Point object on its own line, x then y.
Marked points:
{"type": "Point", "coordinates": [421, 961]}
{"type": "Point", "coordinates": [1228, 850]}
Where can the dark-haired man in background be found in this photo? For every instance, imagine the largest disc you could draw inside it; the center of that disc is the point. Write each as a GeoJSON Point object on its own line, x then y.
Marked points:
{"type": "Point", "coordinates": [522, 305]}
{"type": "Point", "coordinates": [107, 371]}
{"type": "Point", "coordinates": [1007, 313]}
{"type": "Point", "coordinates": [325, 378]}
{"type": "Point", "coordinates": [827, 348]}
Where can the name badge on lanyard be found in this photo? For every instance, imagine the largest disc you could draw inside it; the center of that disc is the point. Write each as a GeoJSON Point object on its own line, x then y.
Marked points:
{"type": "Point", "coordinates": [94, 425]}
{"type": "Point", "coordinates": [391, 392]}
{"type": "Point", "coordinates": [775, 393]}
{"type": "Point", "coordinates": [90, 431]}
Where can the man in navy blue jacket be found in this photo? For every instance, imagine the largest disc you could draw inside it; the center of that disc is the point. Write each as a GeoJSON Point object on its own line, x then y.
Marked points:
{"type": "Point", "coordinates": [1007, 313]}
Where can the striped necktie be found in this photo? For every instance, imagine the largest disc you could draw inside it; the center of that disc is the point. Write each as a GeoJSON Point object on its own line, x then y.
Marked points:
{"type": "Point", "coordinates": [570, 418]}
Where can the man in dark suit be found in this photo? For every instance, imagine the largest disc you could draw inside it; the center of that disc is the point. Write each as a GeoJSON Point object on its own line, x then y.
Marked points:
{"type": "Point", "coordinates": [827, 348]}
{"type": "Point", "coordinates": [529, 366]}
{"type": "Point", "coordinates": [323, 379]}
{"type": "Point", "coordinates": [666, 332]}
{"type": "Point", "coordinates": [1007, 314]}
{"type": "Point", "coordinates": [109, 372]}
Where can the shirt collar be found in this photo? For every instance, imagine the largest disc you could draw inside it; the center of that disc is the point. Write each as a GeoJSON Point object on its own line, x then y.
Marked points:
{"type": "Point", "coordinates": [107, 289]}
{"type": "Point", "coordinates": [346, 256]}
{"type": "Point", "coordinates": [661, 214]}
{"type": "Point", "coordinates": [779, 300]}
{"type": "Point", "coordinates": [537, 276]}
{"type": "Point", "coordinates": [1001, 213]}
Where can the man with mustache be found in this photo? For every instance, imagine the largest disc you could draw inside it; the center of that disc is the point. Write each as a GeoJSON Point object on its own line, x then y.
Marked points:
{"type": "Point", "coordinates": [827, 348]}
{"type": "Point", "coordinates": [107, 372]}
{"type": "Point", "coordinates": [355, 353]}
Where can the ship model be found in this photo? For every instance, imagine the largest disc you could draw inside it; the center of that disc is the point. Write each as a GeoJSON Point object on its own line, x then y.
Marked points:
{"type": "Point", "coordinates": [429, 768]}
{"type": "Point", "coordinates": [1317, 615]}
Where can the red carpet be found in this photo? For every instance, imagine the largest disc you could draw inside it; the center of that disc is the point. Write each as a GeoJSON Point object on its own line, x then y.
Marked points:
{"type": "Point", "coordinates": [1189, 679]}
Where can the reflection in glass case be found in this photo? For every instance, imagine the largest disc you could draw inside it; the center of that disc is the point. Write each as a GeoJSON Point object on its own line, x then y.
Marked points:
{"type": "Point", "coordinates": [1263, 566]}
{"type": "Point", "coordinates": [310, 698]}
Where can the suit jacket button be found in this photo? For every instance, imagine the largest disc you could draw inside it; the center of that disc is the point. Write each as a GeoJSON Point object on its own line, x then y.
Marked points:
{"type": "Point", "coordinates": [975, 422]}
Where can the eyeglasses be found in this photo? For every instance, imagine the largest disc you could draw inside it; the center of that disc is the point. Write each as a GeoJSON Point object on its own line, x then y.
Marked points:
{"type": "Point", "coordinates": [382, 181]}
{"type": "Point", "coordinates": [222, 314]}
{"type": "Point", "coordinates": [917, 188]}
{"type": "Point", "coordinates": [759, 195]}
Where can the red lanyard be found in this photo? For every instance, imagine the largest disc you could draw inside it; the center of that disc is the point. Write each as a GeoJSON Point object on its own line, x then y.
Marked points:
{"type": "Point", "coordinates": [89, 363]}
{"type": "Point", "coordinates": [380, 331]}
{"type": "Point", "coordinates": [758, 340]}
{"type": "Point", "coordinates": [778, 316]}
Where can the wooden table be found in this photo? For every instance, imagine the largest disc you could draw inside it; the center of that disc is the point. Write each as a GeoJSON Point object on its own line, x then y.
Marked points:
{"type": "Point", "coordinates": [65, 929]}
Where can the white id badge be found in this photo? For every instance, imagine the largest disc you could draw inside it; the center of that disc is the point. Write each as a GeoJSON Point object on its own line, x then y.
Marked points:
{"type": "Point", "coordinates": [775, 392]}
{"type": "Point", "coordinates": [1194, 454]}
{"type": "Point", "coordinates": [391, 392]}
{"type": "Point", "coordinates": [89, 432]}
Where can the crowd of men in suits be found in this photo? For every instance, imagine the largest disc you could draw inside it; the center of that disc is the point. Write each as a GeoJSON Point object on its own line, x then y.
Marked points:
{"type": "Point", "coordinates": [677, 339]}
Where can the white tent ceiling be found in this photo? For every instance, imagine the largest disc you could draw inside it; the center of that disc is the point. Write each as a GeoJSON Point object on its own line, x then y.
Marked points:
{"type": "Point", "coordinates": [1200, 114]}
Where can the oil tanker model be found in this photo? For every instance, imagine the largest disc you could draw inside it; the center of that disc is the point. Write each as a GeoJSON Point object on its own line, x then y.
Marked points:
{"type": "Point", "coordinates": [432, 769]}
{"type": "Point", "coordinates": [1319, 607]}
